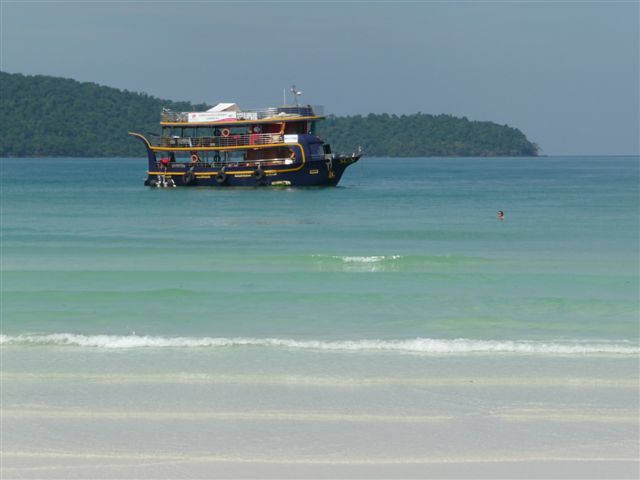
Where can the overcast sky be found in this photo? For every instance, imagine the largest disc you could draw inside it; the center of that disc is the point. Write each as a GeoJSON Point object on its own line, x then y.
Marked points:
{"type": "Point", "coordinates": [565, 73]}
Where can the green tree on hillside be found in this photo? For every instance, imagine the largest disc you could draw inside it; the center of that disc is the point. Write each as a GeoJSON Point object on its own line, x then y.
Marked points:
{"type": "Point", "coordinates": [48, 116]}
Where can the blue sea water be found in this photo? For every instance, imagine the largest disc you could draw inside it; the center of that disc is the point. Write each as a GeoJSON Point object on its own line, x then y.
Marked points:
{"type": "Point", "coordinates": [405, 255]}
{"type": "Point", "coordinates": [380, 327]}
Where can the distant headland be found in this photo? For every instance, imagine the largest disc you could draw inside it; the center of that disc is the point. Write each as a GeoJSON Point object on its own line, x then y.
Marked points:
{"type": "Point", "coordinates": [50, 116]}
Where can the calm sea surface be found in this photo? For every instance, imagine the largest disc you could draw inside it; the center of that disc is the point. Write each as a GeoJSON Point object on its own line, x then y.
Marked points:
{"type": "Point", "coordinates": [406, 255]}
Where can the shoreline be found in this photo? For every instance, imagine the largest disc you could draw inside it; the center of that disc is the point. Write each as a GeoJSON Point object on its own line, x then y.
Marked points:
{"type": "Point", "coordinates": [77, 465]}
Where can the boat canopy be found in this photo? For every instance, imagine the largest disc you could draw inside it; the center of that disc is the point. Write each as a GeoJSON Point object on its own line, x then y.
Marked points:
{"type": "Point", "coordinates": [225, 107]}
{"type": "Point", "coordinates": [220, 113]}
{"type": "Point", "coordinates": [230, 113]}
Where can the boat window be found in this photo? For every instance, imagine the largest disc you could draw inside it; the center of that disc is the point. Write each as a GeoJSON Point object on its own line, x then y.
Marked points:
{"type": "Point", "coordinates": [205, 131]}
{"type": "Point", "coordinates": [235, 155]}
{"type": "Point", "coordinates": [316, 149]}
{"type": "Point", "coordinates": [296, 127]}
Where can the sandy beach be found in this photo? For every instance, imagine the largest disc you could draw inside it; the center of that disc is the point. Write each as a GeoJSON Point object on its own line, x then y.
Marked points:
{"type": "Point", "coordinates": [436, 417]}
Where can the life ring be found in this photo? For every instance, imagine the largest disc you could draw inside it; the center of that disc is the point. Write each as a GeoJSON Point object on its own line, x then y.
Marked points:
{"type": "Point", "coordinates": [225, 132]}
{"type": "Point", "coordinates": [258, 173]}
{"type": "Point", "coordinates": [195, 158]}
{"type": "Point", "coordinates": [256, 129]}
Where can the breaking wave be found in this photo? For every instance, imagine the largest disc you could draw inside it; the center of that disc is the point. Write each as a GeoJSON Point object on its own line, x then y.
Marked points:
{"type": "Point", "coordinates": [370, 259]}
{"type": "Point", "coordinates": [417, 345]}
{"type": "Point", "coordinates": [395, 262]}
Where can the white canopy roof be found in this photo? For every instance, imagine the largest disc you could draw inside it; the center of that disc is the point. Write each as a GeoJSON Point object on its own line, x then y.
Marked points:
{"type": "Point", "coordinates": [225, 107]}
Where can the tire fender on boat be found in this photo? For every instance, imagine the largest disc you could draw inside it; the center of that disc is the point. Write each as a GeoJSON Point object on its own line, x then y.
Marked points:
{"type": "Point", "coordinates": [189, 177]}
{"type": "Point", "coordinates": [221, 177]}
{"type": "Point", "coordinates": [258, 173]}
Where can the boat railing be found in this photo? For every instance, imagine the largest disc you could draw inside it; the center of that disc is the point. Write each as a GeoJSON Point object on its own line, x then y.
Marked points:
{"type": "Point", "coordinates": [241, 140]}
{"type": "Point", "coordinates": [171, 116]}
{"type": "Point", "coordinates": [263, 162]}
{"type": "Point", "coordinates": [257, 114]}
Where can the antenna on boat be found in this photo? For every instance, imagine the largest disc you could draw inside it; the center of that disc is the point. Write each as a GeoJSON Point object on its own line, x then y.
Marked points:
{"type": "Point", "coordinates": [295, 93]}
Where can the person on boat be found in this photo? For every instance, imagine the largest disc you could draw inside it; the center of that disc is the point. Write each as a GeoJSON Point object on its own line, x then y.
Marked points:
{"type": "Point", "coordinates": [164, 167]}
{"type": "Point", "coordinates": [500, 215]}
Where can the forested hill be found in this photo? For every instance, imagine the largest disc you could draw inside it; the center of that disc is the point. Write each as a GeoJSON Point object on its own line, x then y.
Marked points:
{"type": "Point", "coordinates": [422, 135]}
{"type": "Point", "coordinates": [49, 116]}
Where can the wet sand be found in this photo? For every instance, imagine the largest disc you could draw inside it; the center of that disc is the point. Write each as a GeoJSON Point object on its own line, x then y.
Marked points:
{"type": "Point", "coordinates": [238, 416]}
{"type": "Point", "coordinates": [62, 466]}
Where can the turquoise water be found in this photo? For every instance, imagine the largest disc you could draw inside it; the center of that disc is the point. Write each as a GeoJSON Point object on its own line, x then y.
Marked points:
{"type": "Point", "coordinates": [390, 323]}
{"type": "Point", "coordinates": [406, 255]}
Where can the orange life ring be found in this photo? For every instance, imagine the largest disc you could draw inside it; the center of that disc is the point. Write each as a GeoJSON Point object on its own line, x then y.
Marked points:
{"type": "Point", "coordinates": [225, 132]}
{"type": "Point", "coordinates": [195, 158]}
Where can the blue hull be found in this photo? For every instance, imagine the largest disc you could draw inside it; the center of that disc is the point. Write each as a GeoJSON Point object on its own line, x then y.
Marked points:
{"type": "Point", "coordinates": [312, 173]}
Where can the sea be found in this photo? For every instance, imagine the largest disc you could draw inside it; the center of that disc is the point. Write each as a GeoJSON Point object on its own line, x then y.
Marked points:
{"type": "Point", "coordinates": [393, 318]}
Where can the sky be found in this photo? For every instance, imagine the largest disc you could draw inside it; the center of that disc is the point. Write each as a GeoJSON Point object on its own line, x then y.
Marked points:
{"type": "Point", "coordinates": [565, 73]}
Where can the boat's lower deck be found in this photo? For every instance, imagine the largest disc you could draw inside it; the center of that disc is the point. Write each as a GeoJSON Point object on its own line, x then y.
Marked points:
{"type": "Point", "coordinates": [310, 173]}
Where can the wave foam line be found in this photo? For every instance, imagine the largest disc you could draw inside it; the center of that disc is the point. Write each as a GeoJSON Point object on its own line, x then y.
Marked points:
{"type": "Point", "coordinates": [417, 345]}
{"type": "Point", "coordinates": [361, 259]}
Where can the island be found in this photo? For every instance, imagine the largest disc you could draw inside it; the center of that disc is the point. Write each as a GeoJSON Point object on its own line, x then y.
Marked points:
{"type": "Point", "coordinates": [51, 116]}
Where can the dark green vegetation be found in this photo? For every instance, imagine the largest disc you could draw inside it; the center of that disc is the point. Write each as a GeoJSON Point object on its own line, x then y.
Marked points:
{"type": "Point", "coordinates": [422, 135]}
{"type": "Point", "coordinates": [48, 116]}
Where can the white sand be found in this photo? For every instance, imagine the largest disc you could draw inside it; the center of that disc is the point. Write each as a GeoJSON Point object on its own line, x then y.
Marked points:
{"type": "Point", "coordinates": [71, 416]}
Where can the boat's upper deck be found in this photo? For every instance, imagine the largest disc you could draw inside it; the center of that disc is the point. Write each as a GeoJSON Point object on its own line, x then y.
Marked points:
{"type": "Point", "coordinates": [229, 114]}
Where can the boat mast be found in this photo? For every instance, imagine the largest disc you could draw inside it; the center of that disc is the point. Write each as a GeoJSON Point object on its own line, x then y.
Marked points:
{"type": "Point", "coordinates": [295, 93]}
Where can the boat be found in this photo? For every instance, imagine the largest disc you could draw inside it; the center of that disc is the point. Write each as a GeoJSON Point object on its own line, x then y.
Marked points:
{"type": "Point", "coordinates": [226, 146]}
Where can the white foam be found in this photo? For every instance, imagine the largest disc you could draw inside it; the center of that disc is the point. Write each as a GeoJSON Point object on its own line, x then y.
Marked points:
{"type": "Point", "coordinates": [417, 345]}
{"type": "Point", "coordinates": [370, 259]}
{"type": "Point", "coordinates": [361, 259]}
